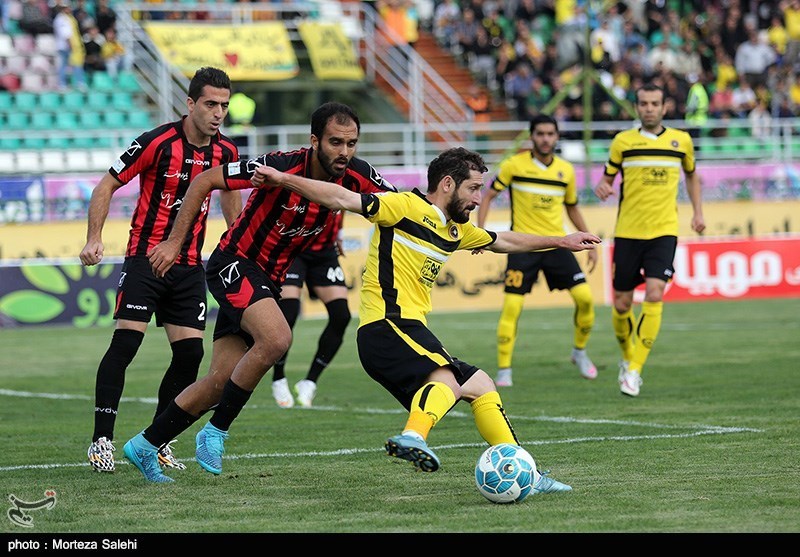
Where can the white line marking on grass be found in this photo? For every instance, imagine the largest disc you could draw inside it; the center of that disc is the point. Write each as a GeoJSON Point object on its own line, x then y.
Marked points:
{"type": "Point", "coordinates": [700, 429]}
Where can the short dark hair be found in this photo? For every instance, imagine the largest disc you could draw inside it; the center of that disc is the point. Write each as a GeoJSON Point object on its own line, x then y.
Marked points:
{"type": "Point", "coordinates": [650, 86]}
{"type": "Point", "coordinates": [542, 119]}
{"type": "Point", "coordinates": [456, 163]}
{"type": "Point", "coordinates": [341, 112]}
{"type": "Point", "coordinates": [208, 76]}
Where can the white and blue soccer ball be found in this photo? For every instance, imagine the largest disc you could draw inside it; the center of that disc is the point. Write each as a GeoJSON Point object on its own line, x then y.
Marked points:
{"type": "Point", "coordinates": [505, 473]}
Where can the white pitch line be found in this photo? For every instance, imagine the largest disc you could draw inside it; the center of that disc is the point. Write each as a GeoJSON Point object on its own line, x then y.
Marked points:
{"type": "Point", "coordinates": [701, 429]}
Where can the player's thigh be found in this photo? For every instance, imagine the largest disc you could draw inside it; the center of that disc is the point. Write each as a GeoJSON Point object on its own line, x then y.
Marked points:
{"type": "Point", "coordinates": [185, 302]}
{"type": "Point", "coordinates": [626, 271]}
{"type": "Point", "coordinates": [522, 269]}
{"type": "Point", "coordinates": [561, 270]}
{"type": "Point", "coordinates": [138, 291]}
{"type": "Point", "coordinates": [401, 355]}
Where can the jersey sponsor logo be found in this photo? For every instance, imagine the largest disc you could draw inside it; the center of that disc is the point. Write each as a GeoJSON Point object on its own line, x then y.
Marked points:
{"type": "Point", "coordinates": [136, 307]}
{"type": "Point", "coordinates": [295, 208]}
{"type": "Point", "coordinates": [197, 162]}
{"type": "Point", "coordinates": [429, 272]}
{"type": "Point", "coordinates": [169, 202]}
{"type": "Point", "coordinates": [178, 175]}
{"type": "Point", "coordinates": [578, 276]}
{"type": "Point", "coordinates": [230, 274]}
{"type": "Point", "coordinates": [234, 169]}
{"type": "Point", "coordinates": [429, 222]}
{"type": "Point", "coordinates": [298, 231]}
{"type": "Point", "coordinates": [131, 150]}
{"type": "Point", "coordinates": [292, 275]}
{"type": "Point", "coordinates": [118, 166]}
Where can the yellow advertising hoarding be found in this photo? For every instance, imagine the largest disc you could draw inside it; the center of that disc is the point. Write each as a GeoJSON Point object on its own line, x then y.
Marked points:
{"type": "Point", "coordinates": [331, 51]}
{"type": "Point", "coordinates": [246, 52]}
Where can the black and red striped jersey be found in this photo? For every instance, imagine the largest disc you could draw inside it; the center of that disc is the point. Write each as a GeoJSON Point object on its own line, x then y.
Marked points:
{"type": "Point", "coordinates": [276, 224]}
{"type": "Point", "coordinates": [166, 163]}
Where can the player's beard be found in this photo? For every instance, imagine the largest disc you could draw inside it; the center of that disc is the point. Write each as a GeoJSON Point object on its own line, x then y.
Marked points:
{"type": "Point", "coordinates": [327, 165]}
{"type": "Point", "coordinates": [458, 210]}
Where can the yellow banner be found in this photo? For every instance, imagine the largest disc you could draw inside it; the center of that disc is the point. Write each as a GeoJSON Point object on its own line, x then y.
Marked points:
{"type": "Point", "coordinates": [331, 51]}
{"type": "Point", "coordinates": [246, 52]}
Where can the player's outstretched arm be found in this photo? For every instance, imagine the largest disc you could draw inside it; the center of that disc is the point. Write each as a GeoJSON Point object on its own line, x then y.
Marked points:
{"type": "Point", "coordinates": [328, 194]}
{"type": "Point", "coordinates": [163, 255]}
{"type": "Point", "coordinates": [518, 242]}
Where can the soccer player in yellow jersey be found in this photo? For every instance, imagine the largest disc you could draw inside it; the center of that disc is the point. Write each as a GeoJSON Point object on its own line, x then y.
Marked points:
{"type": "Point", "coordinates": [541, 185]}
{"type": "Point", "coordinates": [414, 235]}
{"type": "Point", "coordinates": [649, 159]}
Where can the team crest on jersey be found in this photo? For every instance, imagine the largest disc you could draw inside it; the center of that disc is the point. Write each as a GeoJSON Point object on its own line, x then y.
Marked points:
{"type": "Point", "coordinates": [453, 231]}
{"type": "Point", "coordinates": [251, 166]}
{"type": "Point", "coordinates": [674, 144]}
{"type": "Point", "coordinates": [135, 146]}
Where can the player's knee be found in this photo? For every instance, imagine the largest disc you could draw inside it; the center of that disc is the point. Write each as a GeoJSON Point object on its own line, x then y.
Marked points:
{"type": "Point", "coordinates": [582, 295]}
{"type": "Point", "coordinates": [338, 314]}
{"type": "Point", "coordinates": [189, 352]}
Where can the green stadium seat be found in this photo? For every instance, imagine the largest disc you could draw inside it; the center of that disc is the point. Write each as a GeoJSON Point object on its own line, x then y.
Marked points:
{"type": "Point", "coordinates": [139, 120]}
{"type": "Point", "coordinates": [18, 120]}
{"type": "Point", "coordinates": [58, 142]}
{"type": "Point", "coordinates": [50, 100]}
{"type": "Point", "coordinates": [34, 143]}
{"type": "Point", "coordinates": [66, 121]}
{"type": "Point", "coordinates": [10, 143]}
{"type": "Point", "coordinates": [127, 81]}
{"type": "Point", "coordinates": [114, 119]}
{"type": "Point", "coordinates": [25, 100]}
{"type": "Point", "coordinates": [42, 120]}
{"type": "Point", "coordinates": [101, 81]}
{"type": "Point", "coordinates": [97, 99]}
{"type": "Point", "coordinates": [6, 100]}
{"type": "Point", "coordinates": [90, 119]}
{"type": "Point", "coordinates": [73, 100]}
{"type": "Point", "coordinates": [122, 100]}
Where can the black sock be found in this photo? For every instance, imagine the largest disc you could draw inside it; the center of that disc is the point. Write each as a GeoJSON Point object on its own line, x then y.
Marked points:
{"type": "Point", "coordinates": [182, 372]}
{"type": "Point", "coordinates": [290, 307]}
{"type": "Point", "coordinates": [111, 380]}
{"type": "Point", "coordinates": [331, 338]}
{"type": "Point", "coordinates": [169, 424]}
{"type": "Point", "coordinates": [233, 400]}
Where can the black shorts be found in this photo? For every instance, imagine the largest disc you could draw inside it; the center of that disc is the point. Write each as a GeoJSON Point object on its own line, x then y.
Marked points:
{"type": "Point", "coordinates": [179, 298]}
{"type": "Point", "coordinates": [401, 353]}
{"type": "Point", "coordinates": [236, 283]}
{"type": "Point", "coordinates": [561, 270]}
{"type": "Point", "coordinates": [315, 268]}
{"type": "Point", "coordinates": [655, 257]}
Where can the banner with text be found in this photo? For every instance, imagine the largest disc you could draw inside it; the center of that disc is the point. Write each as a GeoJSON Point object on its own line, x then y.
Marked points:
{"type": "Point", "coordinates": [331, 51]}
{"type": "Point", "coordinates": [247, 52]}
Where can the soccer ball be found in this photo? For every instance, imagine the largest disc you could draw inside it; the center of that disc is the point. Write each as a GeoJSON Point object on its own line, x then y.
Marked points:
{"type": "Point", "coordinates": [505, 473]}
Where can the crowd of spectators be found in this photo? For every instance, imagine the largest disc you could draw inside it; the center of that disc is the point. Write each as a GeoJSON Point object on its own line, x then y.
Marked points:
{"type": "Point", "coordinates": [746, 53]}
{"type": "Point", "coordinates": [85, 36]}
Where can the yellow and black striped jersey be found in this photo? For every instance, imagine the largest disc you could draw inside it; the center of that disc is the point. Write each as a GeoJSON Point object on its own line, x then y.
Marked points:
{"type": "Point", "coordinates": [410, 243]}
{"type": "Point", "coordinates": [538, 192]}
{"type": "Point", "coordinates": [650, 166]}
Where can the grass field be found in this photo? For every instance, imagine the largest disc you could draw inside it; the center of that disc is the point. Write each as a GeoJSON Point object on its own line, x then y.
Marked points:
{"type": "Point", "coordinates": [711, 444]}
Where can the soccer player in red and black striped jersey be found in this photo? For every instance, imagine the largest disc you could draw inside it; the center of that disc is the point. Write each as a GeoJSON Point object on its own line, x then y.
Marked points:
{"type": "Point", "coordinates": [245, 274]}
{"type": "Point", "coordinates": [166, 159]}
{"type": "Point", "coordinates": [317, 267]}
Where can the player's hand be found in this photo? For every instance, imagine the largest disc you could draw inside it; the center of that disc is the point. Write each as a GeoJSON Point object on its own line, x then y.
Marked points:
{"type": "Point", "coordinates": [162, 257]}
{"type": "Point", "coordinates": [698, 224]}
{"type": "Point", "coordinates": [603, 191]}
{"type": "Point", "coordinates": [265, 176]}
{"type": "Point", "coordinates": [92, 253]}
{"type": "Point", "coordinates": [579, 241]}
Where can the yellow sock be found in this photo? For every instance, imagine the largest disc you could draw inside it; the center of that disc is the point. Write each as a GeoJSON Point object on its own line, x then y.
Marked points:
{"type": "Point", "coordinates": [584, 314]}
{"type": "Point", "coordinates": [491, 419]}
{"type": "Point", "coordinates": [430, 403]}
{"type": "Point", "coordinates": [623, 329]}
{"type": "Point", "coordinates": [507, 328]}
{"type": "Point", "coordinates": [646, 333]}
